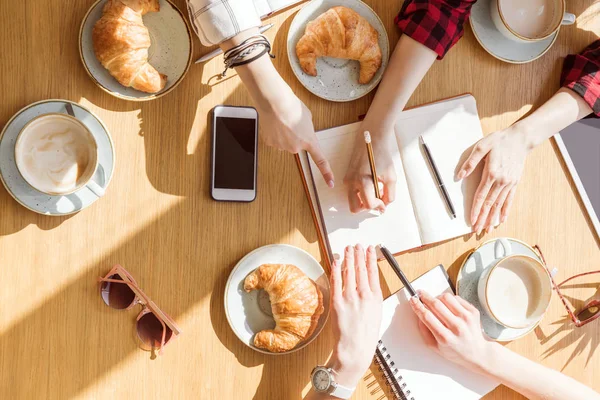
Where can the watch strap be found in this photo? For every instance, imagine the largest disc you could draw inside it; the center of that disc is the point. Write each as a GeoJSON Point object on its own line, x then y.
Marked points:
{"type": "Point", "coordinates": [341, 392]}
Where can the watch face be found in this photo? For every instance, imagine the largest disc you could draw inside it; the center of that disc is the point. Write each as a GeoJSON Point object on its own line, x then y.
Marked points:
{"type": "Point", "coordinates": [321, 380]}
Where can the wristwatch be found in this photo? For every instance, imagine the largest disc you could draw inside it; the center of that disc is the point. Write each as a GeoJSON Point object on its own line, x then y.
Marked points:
{"type": "Point", "coordinates": [322, 381]}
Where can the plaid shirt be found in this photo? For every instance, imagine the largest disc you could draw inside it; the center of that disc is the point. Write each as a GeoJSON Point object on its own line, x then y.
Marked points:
{"type": "Point", "coordinates": [581, 74]}
{"type": "Point", "coordinates": [439, 25]}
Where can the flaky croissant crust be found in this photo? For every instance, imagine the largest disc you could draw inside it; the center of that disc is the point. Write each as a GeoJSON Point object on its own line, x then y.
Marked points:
{"type": "Point", "coordinates": [296, 302]}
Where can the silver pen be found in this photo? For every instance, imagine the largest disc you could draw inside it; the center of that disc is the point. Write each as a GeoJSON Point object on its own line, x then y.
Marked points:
{"type": "Point", "coordinates": [216, 52]}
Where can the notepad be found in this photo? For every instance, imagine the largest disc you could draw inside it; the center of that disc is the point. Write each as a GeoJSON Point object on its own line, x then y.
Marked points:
{"type": "Point", "coordinates": [419, 215]}
{"type": "Point", "coordinates": [413, 370]}
{"type": "Point", "coordinates": [264, 8]}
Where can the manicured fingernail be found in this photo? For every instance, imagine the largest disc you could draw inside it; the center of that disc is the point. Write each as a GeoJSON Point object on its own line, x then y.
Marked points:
{"type": "Point", "coordinates": [503, 219]}
{"type": "Point", "coordinates": [331, 184]}
{"type": "Point", "coordinates": [460, 175]}
{"type": "Point", "coordinates": [489, 229]}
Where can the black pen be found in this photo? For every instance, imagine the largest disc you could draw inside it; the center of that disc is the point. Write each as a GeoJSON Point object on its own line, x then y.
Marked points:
{"type": "Point", "coordinates": [392, 261]}
{"type": "Point", "coordinates": [438, 177]}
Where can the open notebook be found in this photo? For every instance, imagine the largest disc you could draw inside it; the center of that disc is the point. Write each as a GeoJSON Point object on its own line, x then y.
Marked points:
{"type": "Point", "coordinates": [419, 215]}
{"type": "Point", "coordinates": [264, 8]}
{"type": "Point", "coordinates": [413, 370]}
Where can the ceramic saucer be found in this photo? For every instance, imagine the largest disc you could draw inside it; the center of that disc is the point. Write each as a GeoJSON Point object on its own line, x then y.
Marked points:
{"type": "Point", "coordinates": [29, 197]}
{"type": "Point", "coordinates": [170, 52]}
{"type": "Point", "coordinates": [337, 79]}
{"type": "Point", "coordinates": [478, 261]}
{"type": "Point", "coordinates": [497, 44]}
{"type": "Point", "coordinates": [250, 313]}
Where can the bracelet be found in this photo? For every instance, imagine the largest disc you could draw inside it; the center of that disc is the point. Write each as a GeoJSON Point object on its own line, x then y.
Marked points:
{"type": "Point", "coordinates": [236, 56]}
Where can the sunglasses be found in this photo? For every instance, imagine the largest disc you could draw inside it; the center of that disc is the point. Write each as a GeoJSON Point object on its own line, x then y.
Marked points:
{"type": "Point", "coordinates": [154, 328]}
{"type": "Point", "coordinates": [591, 308]}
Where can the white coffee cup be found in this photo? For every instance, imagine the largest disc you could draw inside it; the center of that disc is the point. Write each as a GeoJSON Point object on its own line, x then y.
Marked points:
{"type": "Point", "coordinates": [507, 15]}
{"type": "Point", "coordinates": [58, 155]}
{"type": "Point", "coordinates": [516, 290]}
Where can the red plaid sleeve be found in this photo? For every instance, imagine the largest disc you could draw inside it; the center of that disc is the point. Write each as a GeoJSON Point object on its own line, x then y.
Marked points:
{"type": "Point", "coordinates": [581, 73]}
{"type": "Point", "coordinates": [437, 24]}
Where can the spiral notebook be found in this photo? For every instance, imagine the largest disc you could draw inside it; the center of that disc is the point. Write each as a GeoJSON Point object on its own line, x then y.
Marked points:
{"type": "Point", "coordinates": [450, 128]}
{"type": "Point", "coordinates": [412, 370]}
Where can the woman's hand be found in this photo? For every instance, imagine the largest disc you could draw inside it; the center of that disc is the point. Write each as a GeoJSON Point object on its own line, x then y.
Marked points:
{"type": "Point", "coordinates": [504, 153]}
{"type": "Point", "coordinates": [358, 179]}
{"type": "Point", "coordinates": [452, 327]}
{"type": "Point", "coordinates": [287, 125]}
{"type": "Point", "coordinates": [357, 305]}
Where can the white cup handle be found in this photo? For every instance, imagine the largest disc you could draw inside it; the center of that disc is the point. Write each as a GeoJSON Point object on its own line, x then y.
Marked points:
{"type": "Point", "coordinates": [502, 248]}
{"type": "Point", "coordinates": [95, 188]}
{"type": "Point", "coordinates": [568, 19]}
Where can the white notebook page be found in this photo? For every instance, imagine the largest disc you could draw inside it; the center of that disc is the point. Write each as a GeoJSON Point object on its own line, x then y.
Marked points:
{"type": "Point", "coordinates": [397, 228]}
{"type": "Point", "coordinates": [265, 7]}
{"type": "Point", "coordinates": [450, 128]}
{"type": "Point", "coordinates": [427, 375]}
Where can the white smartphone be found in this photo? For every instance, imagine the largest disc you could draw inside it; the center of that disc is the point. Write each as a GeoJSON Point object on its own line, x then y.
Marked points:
{"type": "Point", "coordinates": [234, 153]}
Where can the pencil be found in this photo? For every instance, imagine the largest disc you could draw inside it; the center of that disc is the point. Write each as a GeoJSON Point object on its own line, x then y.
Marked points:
{"type": "Point", "coordinates": [438, 177]}
{"type": "Point", "coordinates": [372, 164]}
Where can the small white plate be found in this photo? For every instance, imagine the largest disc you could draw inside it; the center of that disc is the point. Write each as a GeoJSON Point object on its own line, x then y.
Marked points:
{"type": "Point", "coordinates": [480, 259]}
{"type": "Point", "coordinates": [497, 44]}
{"type": "Point", "coordinates": [249, 313]}
{"type": "Point", "coordinates": [337, 79]}
{"type": "Point", "coordinates": [40, 202]}
{"type": "Point", "coordinates": [170, 52]}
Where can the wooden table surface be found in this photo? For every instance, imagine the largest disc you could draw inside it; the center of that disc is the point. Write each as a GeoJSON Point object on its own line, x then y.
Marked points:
{"type": "Point", "coordinates": [57, 338]}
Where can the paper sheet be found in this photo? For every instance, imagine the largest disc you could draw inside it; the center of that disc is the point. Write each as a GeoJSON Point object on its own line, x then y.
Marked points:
{"type": "Point", "coordinates": [397, 228]}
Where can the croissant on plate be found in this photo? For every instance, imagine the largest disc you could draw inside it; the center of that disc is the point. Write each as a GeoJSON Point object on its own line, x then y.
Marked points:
{"type": "Point", "coordinates": [121, 43]}
{"type": "Point", "coordinates": [340, 32]}
{"type": "Point", "coordinates": [296, 303]}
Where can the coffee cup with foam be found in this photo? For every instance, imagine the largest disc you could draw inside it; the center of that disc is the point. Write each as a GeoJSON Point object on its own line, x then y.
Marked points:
{"type": "Point", "coordinates": [57, 155]}
{"type": "Point", "coordinates": [530, 20]}
{"type": "Point", "coordinates": [515, 291]}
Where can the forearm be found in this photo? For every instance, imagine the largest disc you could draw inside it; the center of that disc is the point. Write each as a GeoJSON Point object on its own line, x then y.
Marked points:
{"type": "Point", "coordinates": [533, 380]}
{"type": "Point", "coordinates": [260, 77]}
{"type": "Point", "coordinates": [564, 108]}
{"type": "Point", "coordinates": [408, 65]}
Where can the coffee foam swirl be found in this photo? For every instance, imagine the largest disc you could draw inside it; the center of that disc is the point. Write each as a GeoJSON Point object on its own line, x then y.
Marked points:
{"type": "Point", "coordinates": [55, 154]}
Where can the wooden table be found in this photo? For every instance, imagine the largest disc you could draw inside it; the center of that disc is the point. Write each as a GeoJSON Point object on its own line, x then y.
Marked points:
{"type": "Point", "coordinates": [57, 338]}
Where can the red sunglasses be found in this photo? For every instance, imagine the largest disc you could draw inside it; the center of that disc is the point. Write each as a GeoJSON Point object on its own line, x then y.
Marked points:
{"type": "Point", "coordinates": [590, 310]}
{"type": "Point", "coordinates": [120, 291]}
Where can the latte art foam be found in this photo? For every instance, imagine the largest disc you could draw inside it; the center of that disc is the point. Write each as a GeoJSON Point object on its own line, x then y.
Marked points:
{"type": "Point", "coordinates": [514, 291]}
{"type": "Point", "coordinates": [55, 154]}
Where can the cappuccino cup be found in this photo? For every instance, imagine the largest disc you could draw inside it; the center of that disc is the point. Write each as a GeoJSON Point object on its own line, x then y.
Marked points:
{"type": "Point", "coordinates": [527, 21]}
{"type": "Point", "coordinates": [516, 290]}
{"type": "Point", "coordinates": [57, 155]}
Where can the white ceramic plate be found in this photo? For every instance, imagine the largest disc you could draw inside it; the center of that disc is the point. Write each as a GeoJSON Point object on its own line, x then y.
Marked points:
{"type": "Point", "coordinates": [337, 79]}
{"type": "Point", "coordinates": [40, 202]}
{"type": "Point", "coordinates": [250, 313]}
{"type": "Point", "coordinates": [497, 44]}
{"type": "Point", "coordinates": [468, 278]}
{"type": "Point", "coordinates": [170, 52]}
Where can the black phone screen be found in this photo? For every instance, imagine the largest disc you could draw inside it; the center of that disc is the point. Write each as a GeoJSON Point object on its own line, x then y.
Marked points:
{"type": "Point", "coordinates": [235, 153]}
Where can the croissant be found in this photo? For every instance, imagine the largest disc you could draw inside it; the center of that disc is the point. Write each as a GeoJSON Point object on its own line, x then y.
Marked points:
{"type": "Point", "coordinates": [340, 32]}
{"type": "Point", "coordinates": [296, 303]}
{"type": "Point", "coordinates": [121, 43]}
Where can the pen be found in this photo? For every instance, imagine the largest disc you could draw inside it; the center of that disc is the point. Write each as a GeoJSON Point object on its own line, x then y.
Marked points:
{"type": "Point", "coordinates": [438, 177]}
{"type": "Point", "coordinates": [372, 163]}
{"type": "Point", "coordinates": [392, 261]}
{"type": "Point", "coordinates": [216, 52]}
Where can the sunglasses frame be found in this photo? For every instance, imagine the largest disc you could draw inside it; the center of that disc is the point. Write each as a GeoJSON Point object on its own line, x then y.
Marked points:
{"type": "Point", "coordinates": [140, 298]}
{"type": "Point", "coordinates": [574, 314]}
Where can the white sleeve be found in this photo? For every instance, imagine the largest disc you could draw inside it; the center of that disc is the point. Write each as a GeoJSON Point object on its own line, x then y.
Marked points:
{"type": "Point", "coordinates": [215, 21]}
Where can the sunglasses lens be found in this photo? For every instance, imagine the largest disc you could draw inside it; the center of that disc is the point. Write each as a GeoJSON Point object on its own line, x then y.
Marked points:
{"type": "Point", "coordinates": [117, 295]}
{"type": "Point", "coordinates": [150, 331]}
{"type": "Point", "coordinates": [589, 312]}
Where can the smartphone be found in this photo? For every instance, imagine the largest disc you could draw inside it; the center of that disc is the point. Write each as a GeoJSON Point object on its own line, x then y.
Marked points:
{"type": "Point", "coordinates": [234, 153]}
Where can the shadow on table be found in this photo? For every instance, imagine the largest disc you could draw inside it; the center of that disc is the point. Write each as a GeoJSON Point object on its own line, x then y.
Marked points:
{"type": "Point", "coordinates": [585, 337]}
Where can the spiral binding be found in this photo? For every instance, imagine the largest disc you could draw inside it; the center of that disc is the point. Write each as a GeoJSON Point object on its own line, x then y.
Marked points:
{"type": "Point", "coordinates": [391, 374]}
